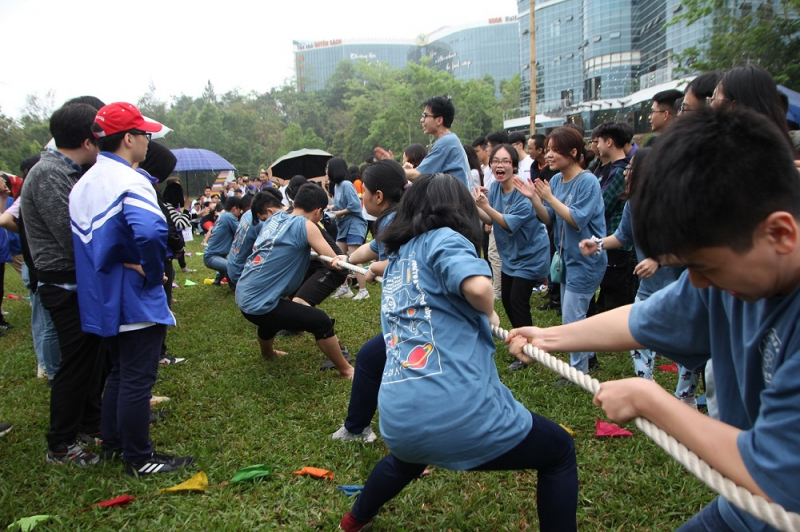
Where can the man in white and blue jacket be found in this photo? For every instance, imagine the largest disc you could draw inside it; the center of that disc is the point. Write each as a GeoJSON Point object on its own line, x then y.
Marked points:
{"type": "Point", "coordinates": [120, 239]}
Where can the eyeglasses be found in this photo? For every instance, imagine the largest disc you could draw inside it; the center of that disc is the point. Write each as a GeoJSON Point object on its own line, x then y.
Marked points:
{"type": "Point", "coordinates": [654, 111]}
{"type": "Point", "coordinates": [685, 109]}
{"type": "Point", "coordinates": [711, 100]}
{"type": "Point", "coordinates": [502, 161]}
{"type": "Point", "coordinates": [426, 115]}
{"type": "Point", "coordinates": [143, 134]}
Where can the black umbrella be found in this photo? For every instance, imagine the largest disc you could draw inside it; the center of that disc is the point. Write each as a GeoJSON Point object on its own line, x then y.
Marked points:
{"type": "Point", "coordinates": [305, 162]}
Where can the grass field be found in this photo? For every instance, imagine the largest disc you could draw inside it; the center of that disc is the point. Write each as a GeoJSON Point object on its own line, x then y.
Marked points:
{"type": "Point", "coordinates": [231, 409]}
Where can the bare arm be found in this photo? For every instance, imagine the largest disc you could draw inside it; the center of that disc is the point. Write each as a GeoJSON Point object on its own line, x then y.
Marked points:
{"type": "Point", "coordinates": [412, 174]}
{"type": "Point", "coordinates": [487, 214]}
{"type": "Point", "coordinates": [478, 291]}
{"type": "Point", "coordinates": [363, 254]}
{"type": "Point", "coordinates": [589, 246]}
{"type": "Point", "coordinates": [7, 222]}
{"type": "Point", "coordinates": [546, 194]}
{"type": "Point", "coordinates": [321, 246]}
{"type": "Point", "coordinates": [712, 440]}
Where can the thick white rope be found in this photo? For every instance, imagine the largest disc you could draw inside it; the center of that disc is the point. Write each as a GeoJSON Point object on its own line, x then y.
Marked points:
{"type": "Point", "coordinates": [769, 512]}
{"type": "Point", "coordinates": [755, 505]}
{"type": "Point", "coordinates": [346, 265]}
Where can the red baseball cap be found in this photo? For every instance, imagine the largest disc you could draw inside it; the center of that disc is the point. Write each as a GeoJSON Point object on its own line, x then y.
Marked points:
{"type": "Point", "coordinates": [121, 116]}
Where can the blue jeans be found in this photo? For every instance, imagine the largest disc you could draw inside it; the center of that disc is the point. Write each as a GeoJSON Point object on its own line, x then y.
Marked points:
{"type": "Point", "coordinates": [573, 308]}
{"type": "Point", "coordinates": [548, 448]}
{"type": "Point", "coordinates": [45, 336]}
{"type": "Point", "coordinates": [218, 263]}
{"type": "Point", "coordinates": [370, 361]}
{"type": "Point", "coordinates": [706, 519]}
{"type": "Point", "coordinates": [126, 401]}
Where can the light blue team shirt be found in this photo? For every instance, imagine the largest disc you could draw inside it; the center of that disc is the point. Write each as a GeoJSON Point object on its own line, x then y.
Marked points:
{"type": "Point", "coordinates": [523, 247]}
{"type": "Point", "coordinates": [584, 198]}
{"type": "Point", "coordinates": [447, 156]}
{"type": "Point", "coordinates": [277, 266]}
{"type": "Point", "coordinates": [664, 276]}
{"type": "Point", "coordinates": [755, 348]}
{"type": "Point", "coordinates": [242, 245]}
{"type": "Point", "coordinates": [222, 235]}
{"type": "Point", "coordinates": [353, 223]}
{"type": "Point", "coordinates": [441, 401]}
{"type": "Point", "coordinates": [376, 245]}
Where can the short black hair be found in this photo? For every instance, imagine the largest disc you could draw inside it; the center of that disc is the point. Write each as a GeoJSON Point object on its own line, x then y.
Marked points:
{"type": "Point", "coordinates": [703, 85]}
{"type": "Point", "coordinates": [516, 137]}
{"type": "Point", "coordinates": [480, 141]}
{"type": "Point", "coordinates": [71, 125]}
{"type": "Point", "coordinates": [497, 137]}
{"type": "Point", "coordinates": [441, 106]}
{"type": "Point", "coordinates": [539, 140]}
{"type": "Point", "coordinates": [668, 98]}
{"type": "Point", "coordinates": [614, 131]}
{"type": "Point", "coordinates": [109, 143]}
{"type": "Point", "coordinates": [94, 101]}
{"type": "Point", "coordinates": [232, 202]}
{"type": "Point", "coordinates": [310, 197]}
{"type": "Point", "coordinates": [294, 185]}
{"type": "Point", "coordinates": [435, 201]}
{"type": "Point", "coordinates": [28, 163]}
{"type": "Point", "coordinates": [263, 200]}
{"type": "Point", "coordinates": [712, 201]}
{"type": "Point", "coordinates": [247, 200]}
{"type": "Point", "coordinates": [511, 151]}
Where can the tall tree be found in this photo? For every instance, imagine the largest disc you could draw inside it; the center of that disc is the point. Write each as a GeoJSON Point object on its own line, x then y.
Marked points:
{"type": "Point", "coordinates": [767, 35]}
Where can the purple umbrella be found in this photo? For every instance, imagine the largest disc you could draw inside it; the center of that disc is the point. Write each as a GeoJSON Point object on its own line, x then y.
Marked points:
{"type": "Point", "coordinates": [197, 159]}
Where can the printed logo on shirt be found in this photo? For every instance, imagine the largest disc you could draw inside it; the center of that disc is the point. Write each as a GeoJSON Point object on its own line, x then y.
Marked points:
{"type": "Point", "coordinates": [770, 348]}
{"type": "Point", "coordinates": [411, 351]}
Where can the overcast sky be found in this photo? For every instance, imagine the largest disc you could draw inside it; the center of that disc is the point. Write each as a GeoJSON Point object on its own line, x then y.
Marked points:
{"type": "Point", "coordinates": [114, 50]}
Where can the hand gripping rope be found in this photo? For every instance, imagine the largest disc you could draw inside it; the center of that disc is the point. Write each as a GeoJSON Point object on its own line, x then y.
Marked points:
{"type": "Point", "coordinates": [769, 512]}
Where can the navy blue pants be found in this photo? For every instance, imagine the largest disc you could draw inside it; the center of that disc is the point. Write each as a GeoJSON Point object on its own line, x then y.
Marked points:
{"type": "Point", "coordinates": [370, 361]}
{"type": "Point", "coordinates": [133, 357]}
{"type": "Point", "coordinates": [548, 448]}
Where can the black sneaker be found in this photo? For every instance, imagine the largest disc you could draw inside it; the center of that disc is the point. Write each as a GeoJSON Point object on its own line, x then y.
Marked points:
{"type": "Point", "coordinates": [71, 454]}
{"type": "Point", "coordinates": [550, 305]}
{"type": "Point", "coordinates": [5, 428]}
{"type": "Point", "coordinates": [593, 363]}
{"type": "Point", "coordinates": [4, 325]}
{"type": "Point", "coordinates": [90, 437]}
{"type": "Point", "coordinates": [157, 463]}
{"type": "Point", "coordinates": [157, 415]}
{"type": "Point", "coordinates": [517, 365]}
{"type": "Point", "coordinates": [329, 365]}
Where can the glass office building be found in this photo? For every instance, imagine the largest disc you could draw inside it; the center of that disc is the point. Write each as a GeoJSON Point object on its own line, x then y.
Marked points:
{"type": "Point", "coordinates": [592, 50]}
{"type": "Point", "coordinates": [316, 61]}
{"type": "Point", "coordinates": [467, 52]}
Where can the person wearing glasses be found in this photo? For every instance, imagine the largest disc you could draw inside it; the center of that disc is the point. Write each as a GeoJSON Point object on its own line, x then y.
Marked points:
{"type": "Point", "coordinates": [663, 112]}
{"type": "Point", "coordinates": [699, 91]}
{"type": "Point", "coordinates": [447, 155]}
{"type": "Point", "coordinates": [119, 235]}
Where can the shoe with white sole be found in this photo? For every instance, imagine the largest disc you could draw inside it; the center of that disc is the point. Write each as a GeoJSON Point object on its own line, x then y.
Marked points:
{"type": "Point", "coordinates": [366, 436]}
{"type": "Point", "coordinates": [157, 463]}
{"type": "Point", "coordinates": [342, 292]}
{"type": "Point", "coordinates": [362, 294]}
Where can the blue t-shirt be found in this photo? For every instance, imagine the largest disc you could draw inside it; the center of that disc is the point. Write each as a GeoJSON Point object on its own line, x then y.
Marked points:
{"type": "Point", "coordinates": [523, 247]}
{"type": "Point", "coordinates": [242, 245]}
{"type": "Point", "coordinates": [376, 245]}
{"type": "Point", "coordinates": [222, 235]}
{"type": "Point", "coordinates": [277, 266]}
{"type": "Point", "coordinates": [585, 201]}
{"type": "Point", "coordinates": [755, 348]}
{"type": "Point", "coordinates": [447, 156]}
{"type": "Point", "coordinates": [441, 401]}
{"type": "Point", "coordinates": [353, 223]}
{"type": "Point", "coordinates": [664, 276]}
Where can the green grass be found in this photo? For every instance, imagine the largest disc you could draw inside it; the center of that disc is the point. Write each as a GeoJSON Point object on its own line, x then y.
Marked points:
{"type": "Point", "coordinates": [231, 409]}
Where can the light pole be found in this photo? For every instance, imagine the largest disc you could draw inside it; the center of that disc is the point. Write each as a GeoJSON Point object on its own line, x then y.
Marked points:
{"type": "Point", "coordinates": [532, 18]}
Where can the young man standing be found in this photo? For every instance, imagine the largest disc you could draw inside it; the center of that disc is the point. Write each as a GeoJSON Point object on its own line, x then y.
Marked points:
{"type": "Point", "coordinates": [618, 285]}
{"type": "Point", "coordinates": [447, 154]}
{"type": "Point", "coordinates": [120, 239]}
{"type": "Point", "coordinates": [517, 140]}
{"type": "Point", "coordinates": [76, 389]}
{"type": "Point", "coordinates": [664, 112]}
{"type": "Point", "coordinates": [738, 302]}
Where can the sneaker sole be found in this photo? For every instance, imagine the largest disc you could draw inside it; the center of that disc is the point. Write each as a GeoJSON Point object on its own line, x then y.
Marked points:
{"type": "Point", "coordinates": [3, 433]}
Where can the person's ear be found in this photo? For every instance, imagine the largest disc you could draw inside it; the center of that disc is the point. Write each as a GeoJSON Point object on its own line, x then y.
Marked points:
{"type": "Point", "coordinates": [378, 197]}
{"type": "Point", "coordinates": [781, 230]}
